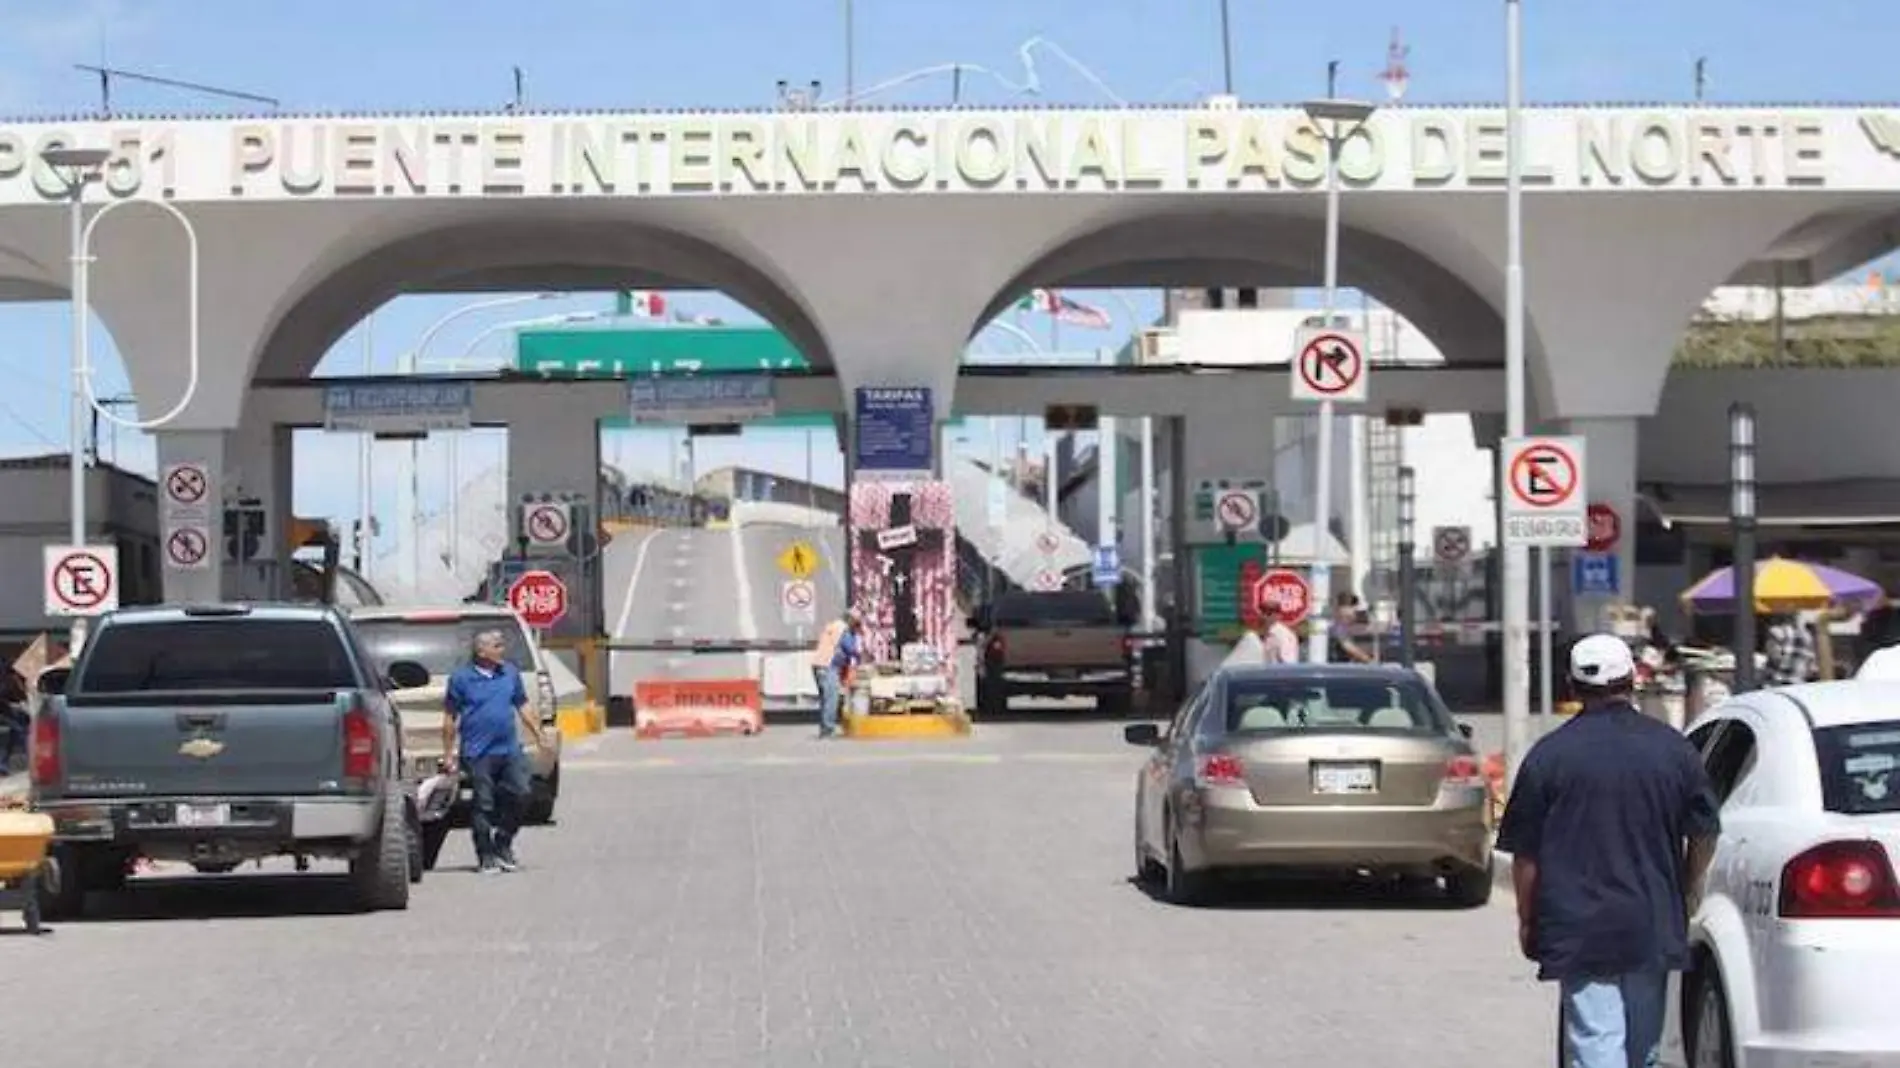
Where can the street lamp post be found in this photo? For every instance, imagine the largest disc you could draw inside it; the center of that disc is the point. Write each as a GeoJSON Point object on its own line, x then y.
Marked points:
{"type": "Point", "coordinates": [1741, 518]}
{"type": "Point", "coordinates": [1337, 120]}
{"type": "Point", "coordinates": [1516, 578]}
{"type": "Point", "coordinates": [80, 167]}
{"type": "Point", "coordinates": [1408, 575]}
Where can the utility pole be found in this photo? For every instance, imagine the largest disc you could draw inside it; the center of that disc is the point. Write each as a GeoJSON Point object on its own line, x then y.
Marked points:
{"type": "Point", "coordinates": [1227, 51]}
{"type": "Point", "coordinates": [1701, 77]}
{"type": "Point", "coordinates": [850, 55]}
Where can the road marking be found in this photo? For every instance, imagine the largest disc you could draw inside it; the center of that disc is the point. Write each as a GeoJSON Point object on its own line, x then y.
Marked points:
{"type": "Point", "coordinates": [678, 630]}
{"type": "Point", "coordinates": [748, 615]}
{"type": "Point", "coordinates": [633, 582]}
{"type": "Point", "coordinates": [676, 606]}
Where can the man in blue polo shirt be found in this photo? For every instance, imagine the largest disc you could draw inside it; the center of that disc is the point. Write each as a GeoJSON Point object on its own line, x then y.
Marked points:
{"type": "Point", "coordinates": [846, 654]}
{"type": "Point", "coordinates": [1610, 826]}
{"type": "Point", "coordinates": [483, 705]}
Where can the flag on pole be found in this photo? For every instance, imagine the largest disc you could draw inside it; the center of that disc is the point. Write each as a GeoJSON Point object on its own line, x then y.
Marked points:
{"type": "Point", "coordinates": [1073, 312]}
{"type": "Point", "coordinates": [642, 303]}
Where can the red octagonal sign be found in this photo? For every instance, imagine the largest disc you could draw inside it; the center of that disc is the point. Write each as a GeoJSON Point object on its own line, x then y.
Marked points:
{"type": "Point", "coordinates": [539, 598]}
{"type": "Point", "coordinates": [1283, 595]}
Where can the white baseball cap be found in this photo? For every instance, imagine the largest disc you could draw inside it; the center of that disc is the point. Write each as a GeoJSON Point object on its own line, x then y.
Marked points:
{"type": "Point", "coordinates": [1601, 660]}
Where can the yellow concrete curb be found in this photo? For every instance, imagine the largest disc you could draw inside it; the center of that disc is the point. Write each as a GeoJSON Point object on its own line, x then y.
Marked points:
{"type": "Point", "coordinates": [573, 723]}
{"type": "Point", "coordinates": [596, 717]}
{"type": "Point", "coordinates": [936, 725]}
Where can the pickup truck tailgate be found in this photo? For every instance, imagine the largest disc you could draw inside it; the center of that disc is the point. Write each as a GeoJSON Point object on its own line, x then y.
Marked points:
{"type": "Point", "coordinates": [1060, 647]}
{"type": "Point", "coordinates": [291, 745]}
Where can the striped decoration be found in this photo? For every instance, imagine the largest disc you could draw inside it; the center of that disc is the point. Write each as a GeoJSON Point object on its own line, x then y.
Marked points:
{"type": "Point", "coordinates": [934, 569]}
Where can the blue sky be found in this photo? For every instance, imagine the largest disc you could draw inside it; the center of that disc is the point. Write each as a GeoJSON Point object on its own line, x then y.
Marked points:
{"type": "Point", "coordinates": [446, 54]}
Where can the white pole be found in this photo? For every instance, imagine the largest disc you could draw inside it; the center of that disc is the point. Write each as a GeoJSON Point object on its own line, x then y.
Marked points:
{"type": "Point", "coordinates": [1323, 490]}
{"type": "Point", "coordinates": [76, 404]}
{"type": "Point", "coordinates": [1516, 562]}
{"type": "Point", "coordinates": [365, 456]}
{"type": "Point", "coordinates": [1149, 617]}
{"type": "Point", "coordinates": [1107, 478]}
{"type": "Point", "coordinates": [1544, 655]}
{"type": "Point", "coordinates": [409, 501]}
{"type": "Point", "coordinates": [1358, 515]}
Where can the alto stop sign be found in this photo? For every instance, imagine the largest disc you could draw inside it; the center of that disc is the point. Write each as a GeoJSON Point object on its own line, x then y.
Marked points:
{"type": "Point", "coordinates": [539, 598]}
{"type": "Point", "coordinates": [1283, 595]}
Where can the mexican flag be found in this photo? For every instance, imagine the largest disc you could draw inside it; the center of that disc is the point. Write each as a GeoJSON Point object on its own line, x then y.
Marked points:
{"type": "Point", "coordinates": [1073, 312]}
{"type": "Point", "coordinates": [642, 303]}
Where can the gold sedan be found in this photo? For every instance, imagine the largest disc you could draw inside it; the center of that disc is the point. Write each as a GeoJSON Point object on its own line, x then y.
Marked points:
{"type": "Point", "coordinates": [1308, 769]}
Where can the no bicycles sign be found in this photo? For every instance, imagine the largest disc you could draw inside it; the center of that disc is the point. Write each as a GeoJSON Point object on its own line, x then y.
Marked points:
{"type": "Point", "coordinates": [1544, 500]}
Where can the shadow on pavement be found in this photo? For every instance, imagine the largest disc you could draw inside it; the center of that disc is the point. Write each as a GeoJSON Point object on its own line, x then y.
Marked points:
{"type": "Point", "coordinates": [1314, 895]}
{"type": "Point", "coordinates": [222, 897]}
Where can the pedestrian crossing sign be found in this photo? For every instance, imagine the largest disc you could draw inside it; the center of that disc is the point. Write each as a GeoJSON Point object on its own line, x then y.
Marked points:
{"type": "Point", "coordinates": [799, 560]}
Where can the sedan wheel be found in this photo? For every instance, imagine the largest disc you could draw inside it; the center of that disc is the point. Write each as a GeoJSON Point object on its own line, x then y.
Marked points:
{"type": "Point", "coordinates": [1712, 1048]}
{"type": "Point", "coordinates": [1183, 887]}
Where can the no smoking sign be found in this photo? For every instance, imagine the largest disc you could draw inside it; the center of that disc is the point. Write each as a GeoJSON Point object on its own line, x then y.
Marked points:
{"type": "Point", "coordinates": [1544, 503]}
{"type": "Point", "coordinates": [1329, 365]}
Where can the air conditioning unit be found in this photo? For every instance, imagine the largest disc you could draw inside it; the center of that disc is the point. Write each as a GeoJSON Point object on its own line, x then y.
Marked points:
{"type": "Point", "coordinates": [1155, 345]}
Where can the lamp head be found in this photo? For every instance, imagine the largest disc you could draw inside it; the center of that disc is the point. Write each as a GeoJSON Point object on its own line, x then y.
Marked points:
{"type": "Point", "coordinates": [1338, 111]}
{"type": "Point", "coordinates": [83, 159]}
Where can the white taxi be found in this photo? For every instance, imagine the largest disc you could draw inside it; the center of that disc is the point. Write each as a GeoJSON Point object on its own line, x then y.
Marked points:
{"type": "Point", "coordinates": [1798, 931]}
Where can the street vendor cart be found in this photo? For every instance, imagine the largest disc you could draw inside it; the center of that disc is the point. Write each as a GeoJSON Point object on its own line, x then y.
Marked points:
{"type": "Point", "coordinates": [24, 839]}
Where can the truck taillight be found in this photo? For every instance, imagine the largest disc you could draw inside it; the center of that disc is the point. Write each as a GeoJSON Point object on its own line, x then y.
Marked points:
{"type": "Point", "coordinates": [1839, 881]}
{"type": "Point", "coordinates": [359, 744]}
{"type": "Point", "coordinates": [43, 762]}
{"type": "Point", "coordinates": [1220, 770]}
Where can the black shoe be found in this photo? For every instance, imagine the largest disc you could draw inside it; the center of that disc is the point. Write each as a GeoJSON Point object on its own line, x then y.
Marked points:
{"type": "Point", "coordinates": [488, 866]}
{"type": "Point", "coordinates": [505, 860]}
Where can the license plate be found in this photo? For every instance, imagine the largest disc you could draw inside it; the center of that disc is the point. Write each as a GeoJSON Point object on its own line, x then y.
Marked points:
{"type": "Point", "coordinates": [1345, 778]}
{"type": "Point", "coordinates": [203, 815]}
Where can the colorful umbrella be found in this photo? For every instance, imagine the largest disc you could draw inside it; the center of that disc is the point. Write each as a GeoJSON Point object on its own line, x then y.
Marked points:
{"type": "Point", "coordinates": [1785, 586]}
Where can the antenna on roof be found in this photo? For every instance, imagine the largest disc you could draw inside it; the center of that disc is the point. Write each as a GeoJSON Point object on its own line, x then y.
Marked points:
{"type": "Point", "coordinates": [1395, 76]}
{"type": "Point", "coordinates": [1701, 77]}
{"type": "Point", "coordinates": [106, 74]}
{"type": "Point", "coordinates": [521, 92]}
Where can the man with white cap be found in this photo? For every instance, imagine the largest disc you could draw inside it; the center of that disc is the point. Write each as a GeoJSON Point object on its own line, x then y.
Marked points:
{"type": "Point", "coordinates": [1611, 825]}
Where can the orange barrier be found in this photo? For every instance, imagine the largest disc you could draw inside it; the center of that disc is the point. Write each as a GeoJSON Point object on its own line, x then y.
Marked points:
{"type": "Point", "coordinates": [697, 708]}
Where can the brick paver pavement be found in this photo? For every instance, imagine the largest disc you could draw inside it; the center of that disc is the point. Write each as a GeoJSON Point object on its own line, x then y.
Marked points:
{"type": "Point", "coordinates": [779, 901]}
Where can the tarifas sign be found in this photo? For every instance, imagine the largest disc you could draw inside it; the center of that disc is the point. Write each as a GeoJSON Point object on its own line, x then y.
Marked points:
{"type": "Point", "coordinates": [957, 151]}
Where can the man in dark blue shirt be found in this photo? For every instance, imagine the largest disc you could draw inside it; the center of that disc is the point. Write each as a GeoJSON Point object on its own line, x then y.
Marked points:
{"type": "Point", "coordinates": [1611, 825]}
{"type": "Point", "coordinates": [484, 703]}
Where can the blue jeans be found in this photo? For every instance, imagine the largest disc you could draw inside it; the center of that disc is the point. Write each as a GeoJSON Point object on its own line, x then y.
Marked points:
{"type": "Point", "coordinates": [500, 782]}
{"type": "Point", "coordinates": [1614, 1022]}
{"type": "Point", "coordinates": [830, 696]}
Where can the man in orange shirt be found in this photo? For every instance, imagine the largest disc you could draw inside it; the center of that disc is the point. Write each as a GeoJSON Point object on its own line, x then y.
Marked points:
{"type": "Point", "coordinates": [837, 653]}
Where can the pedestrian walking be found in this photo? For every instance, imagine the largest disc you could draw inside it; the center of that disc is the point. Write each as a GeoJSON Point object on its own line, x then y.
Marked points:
{"type": "Point", "coordinates": [1342, 647]}
{"type": "Point", "coordinates": [1790, 652]}
{"type": "Point", "coordinates": [846, 652]}
{"type": "Point", "coordinates": [1610, 826]}
{"type": "Point", "coordinates": [484, 706]}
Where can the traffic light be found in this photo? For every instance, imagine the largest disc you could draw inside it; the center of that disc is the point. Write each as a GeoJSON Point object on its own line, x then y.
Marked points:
{"type": "Point", "coordinates": [1069, 417]}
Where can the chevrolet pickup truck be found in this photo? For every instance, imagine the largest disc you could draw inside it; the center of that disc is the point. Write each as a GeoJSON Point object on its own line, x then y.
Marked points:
{"type": "Point", "coordinates": [219, 734]}
{"type": "Point", "coordinates": [1064, 643]}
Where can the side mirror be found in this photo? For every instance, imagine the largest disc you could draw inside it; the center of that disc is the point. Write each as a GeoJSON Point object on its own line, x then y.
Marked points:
{"type": "Point", "coordinates": [1465, 729]}
{"type": "Point", "coordinates": [408, 675]}
{"type": "Point", "coordinates": [1147, 735]}
{"type": "Point", "coordinates": [52, 682]}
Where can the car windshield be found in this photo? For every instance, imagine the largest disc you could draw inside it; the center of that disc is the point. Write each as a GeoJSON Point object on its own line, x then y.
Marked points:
{"type": "Point", "coordinates": [245, 653]}
{"type": "Point", "coordinates": [1331, 704]}
{"type": "Point", "coordinates": [1858, 764]}
{"type": "Point", "coordinates": [441, 645]}
{"type": "Point", "coordinates": [1083, 608]}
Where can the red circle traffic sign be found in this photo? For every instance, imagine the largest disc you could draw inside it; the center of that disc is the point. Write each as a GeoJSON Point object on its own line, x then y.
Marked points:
{"type": "Point", "coordinates": [186, 484]}
{"type": "Point", "coordinates": [539, 598]}
{"type": "Point", "coordinates": [1605, 528]}
{"type": "Point", "coordinates": [1048, 542]}
{"type": "Point", "coordinates": [1543, 475]}
{"type": "Point", "coordinates": [1330, 364]}
{"type": "Point", "coordinates": [82, 581]}
{"type": "Point", "coordinates": [1236, 510]}
{"type": "Point", "coordinates": [185, 547]}
{"type": "Point", "coordinates": [548, 523]}
{"type": "Point", "coordinates": [1283, 595]}
{"type": "Point", "coordinates": [798, 594]}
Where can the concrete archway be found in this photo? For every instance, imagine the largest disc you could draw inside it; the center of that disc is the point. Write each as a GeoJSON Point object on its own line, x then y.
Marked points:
{"type": "Point", "coordinates": [514, 255]}
{"type": "Point", "coordinates": [1228, 249]}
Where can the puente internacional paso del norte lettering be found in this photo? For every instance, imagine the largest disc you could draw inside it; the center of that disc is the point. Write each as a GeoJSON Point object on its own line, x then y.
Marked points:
{"type": "Point", "coordinates": [879, 241]}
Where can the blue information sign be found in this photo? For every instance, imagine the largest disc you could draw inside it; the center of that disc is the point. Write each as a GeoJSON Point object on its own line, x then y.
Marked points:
{"type": "Point", "coordinates": [398, 407]}
{"type": "Point", "coordinates": [1108, 565]}
{"type": "Point", "coordinates": [896, 432]}
{"type": "Point", "coordinates": [1594, 575]}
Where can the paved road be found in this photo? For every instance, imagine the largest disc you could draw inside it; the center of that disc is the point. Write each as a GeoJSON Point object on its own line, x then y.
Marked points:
{"type": "Point", "coordinates": [720, 585]}
{"type": "Point", "coordinates": [776, 901]}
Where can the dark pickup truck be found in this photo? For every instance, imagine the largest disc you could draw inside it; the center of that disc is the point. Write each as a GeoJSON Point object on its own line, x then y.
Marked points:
{"type": "Point", "coordinates": [220, 734]}
{"type": "Point", "coordinates": [1062, 643]}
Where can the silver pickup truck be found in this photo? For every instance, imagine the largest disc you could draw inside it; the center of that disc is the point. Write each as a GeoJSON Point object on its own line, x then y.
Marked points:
{"type": "Point", "coordinates": [220, 734]}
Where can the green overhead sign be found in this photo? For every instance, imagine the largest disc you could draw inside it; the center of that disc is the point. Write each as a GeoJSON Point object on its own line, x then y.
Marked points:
{"type": "Point", "coordinates": [665, 350]}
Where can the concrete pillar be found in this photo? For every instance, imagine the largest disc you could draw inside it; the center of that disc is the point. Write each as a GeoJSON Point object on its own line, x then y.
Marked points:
{"type": "Point", "coordinates": [257, 466]}
{"type": "Point", "coordinates": [1610, 479]}
{"type": "Point", "coordinates": [203, 582]}
{"type": "Point", "coordinates": [558, 454]}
